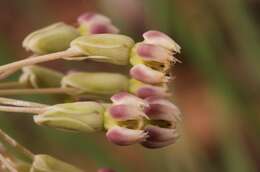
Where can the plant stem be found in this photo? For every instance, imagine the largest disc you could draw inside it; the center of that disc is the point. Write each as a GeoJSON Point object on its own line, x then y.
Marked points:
{"type": "Point", "coordinates": [30, 110]}
{"type": "Point", "coordinates": [14, 102]}
{"type": "Point", "coordinates": [6, 74]}
{"type": "Point", "coordinates": [11, 85]}
{"type": "Point", "coordinates": [7, 163]}
{"type": "Point", "coordinates": [40, 59]}
{"type": "Point", "coordinates": [9, 92]}
{"type": "Point", "coordinates": [4, 137]}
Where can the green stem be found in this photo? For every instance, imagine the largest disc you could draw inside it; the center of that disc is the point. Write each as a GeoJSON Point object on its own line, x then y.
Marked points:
{"type": "Point", "coordinates": [7, 139]}
{"type": "Point", "coordinates": [40, 59]}
{"type": "Point", "coordinates": [14, 102]}
{"type": "Point", "coordinates": [10, 92]}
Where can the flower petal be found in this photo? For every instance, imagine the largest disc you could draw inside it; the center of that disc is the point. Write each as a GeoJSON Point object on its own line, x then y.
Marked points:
{"type": "Point", "coordinates": [98, 28]}
{"type": "Point", "coordinates": [162, 109]}
{"type": "Point", "coordinates": [150, 52]}
{"type": "Point", "coordinates": [147, 75]}
{"type": "Point", "coordinates": [129, 99]}
{"type": "Point", "coordinates": [124, 136]}
{"type": "Point", "coordinates": [126, 112]}
{"type": "Point", "coordinates": [93, 23]}
{"type": "Point", "coordinates": [161, 39]}
{"type": "Point", "coordinates": [93, 17]}
{"type": "Point", "coordinates": [149, 91]}
{"type": "Point", "coordinates": [158, 134]}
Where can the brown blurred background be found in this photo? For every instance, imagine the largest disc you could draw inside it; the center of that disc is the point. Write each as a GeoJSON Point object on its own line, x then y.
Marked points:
{"type": "Point", "coordinates": [216, 86]}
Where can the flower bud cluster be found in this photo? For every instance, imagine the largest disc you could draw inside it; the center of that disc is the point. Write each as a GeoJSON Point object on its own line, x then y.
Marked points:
{"type": "Point", "coordinates": [140, 111]}
{"type": "Point", "coordinates": [151, 60]}
{"type": "Point", "coordinates": [150, 121]}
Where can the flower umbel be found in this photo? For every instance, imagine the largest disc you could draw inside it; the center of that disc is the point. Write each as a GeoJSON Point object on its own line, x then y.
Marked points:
{"type": "Point", "coordinates": [151, 122]}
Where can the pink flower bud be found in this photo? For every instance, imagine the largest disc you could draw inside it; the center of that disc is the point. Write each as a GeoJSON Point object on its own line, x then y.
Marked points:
{"type": "Point", "coordinates": [126, 112]}
{"type": "Point", "coordinates": [129, 99]}
{"type": "Point", "coordinates": [149, 91]}
{"type": "Point", "coordinates": [124, 136]}
{"type": "Point", "coordinates": [161, 39]}
{"type": "Point", "coordinates": [105, 170]}
{"type": "Point", "coordinates": [151, 52]}
{"type": "Point", "coordinates": [147, 75]}
{"type": "Point", "coordinates": [143, 90]}
{"type": "Point", "coordinates": [160, 137]}
{"type": "Point", "coordinates": [162, 109]}
{"type": "Point", "coordinates": [93, 23]}
{"type": "Point", "coordinates": [90, 17]}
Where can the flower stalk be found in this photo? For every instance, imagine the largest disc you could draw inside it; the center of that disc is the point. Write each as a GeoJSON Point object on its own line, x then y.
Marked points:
{"type": "Point", "coordinates": [26, 91]}
{"type": "Point", "coordinates": [7, 139]}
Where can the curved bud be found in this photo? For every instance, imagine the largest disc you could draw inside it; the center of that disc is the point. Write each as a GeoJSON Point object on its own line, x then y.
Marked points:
{"type": "Point", "coordinates": [105, 170]}
{"type": "Point", "coordinates": [124, 136]}
{"type": "Point", "coordinates": [162, 109]}
{"type": "Point", "coordinates": [46, 163]}
{"type": "Point", "coordinates": [54, 38]}
{"type": "Point", "coordinates": [126, 112]}
{"type": "Point", "coordinates": [152, 53]}
{"type": "Point", "coordinates": [146, 74]}
{"type": "Point", "coordinates": [110, 48]}
{"type": "Point", "coordinates": [96, 83]}
{"type": "Point", "coordinates": [79, 116]}
{"type": "Point", "coordinates": [158, 134]}
{"type": "Point", "coordinates": [40, 77]}
{"type": "Point", "coordinates": [161, 39]}
{"type": "Point", "coordinates": [129, 99]}
{"type": "Point", "coordinates": [93, 23]}
{"type": "Point", "coordinates": [143, 90]}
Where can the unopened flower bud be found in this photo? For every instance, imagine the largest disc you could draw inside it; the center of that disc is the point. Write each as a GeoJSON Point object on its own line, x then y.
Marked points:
{"type": "Point", "coordinates": [93, 23]}
{"type": "Point", "coordinates": [152, 55]}
{"type": "Point", "coordinates": [40, 77]}
{"type": "Point", "coordinates": [125, 119]}
{"type": "Point", "coordinates": [129, 99]}
{"type": "Point", "coordinates": [148, 75]}
{"type": "Point", "coordinates": [98, 83]}
{"type": "Point", "coordinates": [161, 39]}
{"type": "Point", "coordinates": [162, 109]}
{"type": "Point", "coordinates": [160, 137]}
{"type": "Point", "coordinates": [54, 38]}
{"type": "Point", "coordinates": [110, 48]}
{"type": "Point", "coordinates": [124, 136]}
{"type": "Point", "coordinates": [46, 163]}
{"type": "Point", "coordinates": [143, 90]}
{"type": "Point", "coordinates": [79, 116]}
{"type": "Point", "coordinates": [162, 130]}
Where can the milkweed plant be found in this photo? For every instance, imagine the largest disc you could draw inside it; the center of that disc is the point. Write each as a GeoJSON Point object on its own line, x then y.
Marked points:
{"type": "Point", "coordinates": [134, 109]}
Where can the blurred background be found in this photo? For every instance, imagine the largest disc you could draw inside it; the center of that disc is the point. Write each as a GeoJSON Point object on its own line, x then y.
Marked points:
{"type": "Point", "coordinates": [216, 86]}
